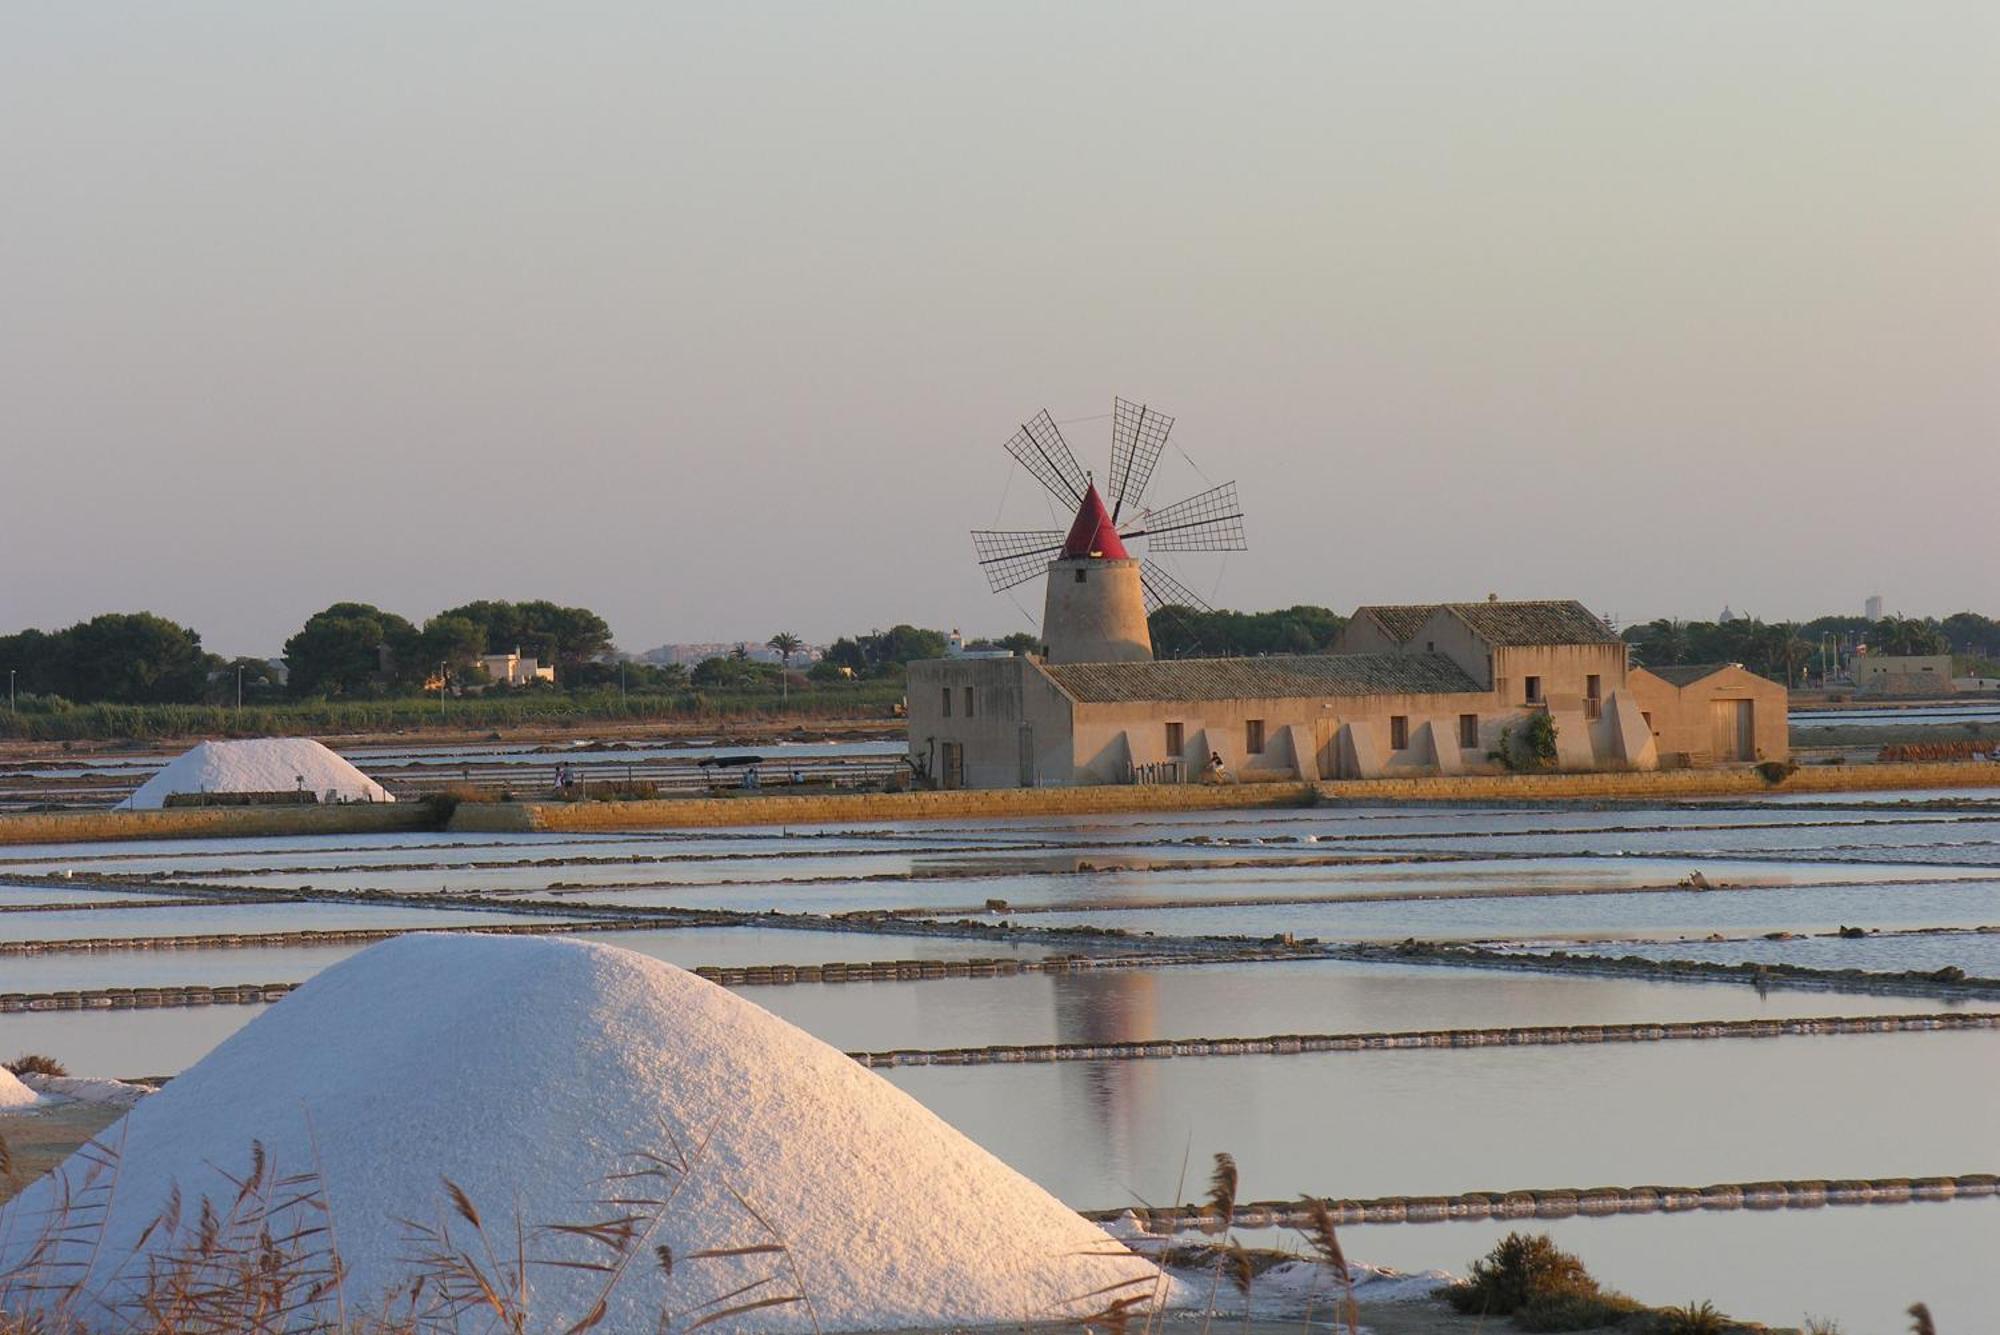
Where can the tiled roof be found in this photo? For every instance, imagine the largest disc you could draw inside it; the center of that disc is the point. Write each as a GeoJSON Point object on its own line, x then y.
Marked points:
{"type": "Point", "coordinates": [1559, 621]}
{"type": "Point", "coordinates": [1402, 620]}
{"type": "Point", "coordinates": [1285, 677]}
{"type": "Point", "coordinates": [1687, 674]}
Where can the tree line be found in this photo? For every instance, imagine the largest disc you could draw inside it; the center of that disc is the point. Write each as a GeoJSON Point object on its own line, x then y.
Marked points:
{"type": "Point", "coordinates": [346, 651]}
{"type": "Point", "coordinates": [1798, 651]}
{"type": "Point", "coordinates": [357, 651]}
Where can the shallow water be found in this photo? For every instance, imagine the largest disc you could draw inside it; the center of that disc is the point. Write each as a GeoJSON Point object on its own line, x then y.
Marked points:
{"type": "Point", "coordinates": [1860, 1265]}
{"type": "Point", "coordinates": [1780, 908]}
{"type": "Point", "coordinates": [1481, 1119]}
{"type": "Point", "coordinates": [1348, 1124]}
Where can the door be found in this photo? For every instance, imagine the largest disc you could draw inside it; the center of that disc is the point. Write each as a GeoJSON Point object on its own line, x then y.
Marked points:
{"type": "Point", "coordinates": [952, 755]}
{"type": "Point", "coordinates": [1326, 735]}
{"type": "Point", "coordinates": [1732, 730]}
{"type": "Point", "coordinates": [1027, 755]}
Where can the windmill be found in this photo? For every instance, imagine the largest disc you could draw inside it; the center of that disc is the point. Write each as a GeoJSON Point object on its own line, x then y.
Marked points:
{"type": "Point", "coordinates": [1098, 593]}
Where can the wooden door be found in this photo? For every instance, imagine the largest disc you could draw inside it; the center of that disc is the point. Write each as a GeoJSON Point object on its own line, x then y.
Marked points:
{"type": "Point", "coordinates": [1732, 730]}
{"type": "Point", "coordinates": [953, 755]}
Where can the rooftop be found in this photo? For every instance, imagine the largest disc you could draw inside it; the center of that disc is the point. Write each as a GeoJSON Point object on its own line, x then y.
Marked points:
{"type": "Point", "coordinates": [1686, 674]}
{"type": "Point", "coordinates": [1290, 676]}
{"type": "Point", "coordinates": [1556, 621]}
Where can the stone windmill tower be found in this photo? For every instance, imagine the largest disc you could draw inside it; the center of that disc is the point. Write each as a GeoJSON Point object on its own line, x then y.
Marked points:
{"type": "Point", "coordinates": [1099, 595]}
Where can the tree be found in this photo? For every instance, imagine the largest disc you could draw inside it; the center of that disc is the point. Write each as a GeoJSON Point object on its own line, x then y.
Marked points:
{"type": "Point", "coordinates": [257, 677]}
{"type": "Point", "coordinates": [785, 644]}
{"type": "Point", "coordinates": [353, 649]}
{"type": "Point", "coordinates": [565, 637]}
{"type": "Point", "coordinates": [456, 641]}
{"type": "Point", "coordinates": [132, 658]}
{"type": "Point", "coordinates": [1906, 636]}
{"type": "Point", "coordinates": [1186, 632]}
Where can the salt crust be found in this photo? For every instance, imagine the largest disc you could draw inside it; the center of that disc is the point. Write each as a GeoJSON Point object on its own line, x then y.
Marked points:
{"type": "Point", "coordinates": [262, 765]}
{"type": "Point", "coordinates": [13, 1094]}
{"type": "Point", "coordinates": [526, 1069]}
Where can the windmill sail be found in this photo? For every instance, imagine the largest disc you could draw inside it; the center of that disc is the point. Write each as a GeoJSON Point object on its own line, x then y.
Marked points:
{"type": "Point", "coordinates": [1041, 449]}
{"type": "Point", "coordinates": [1011, 558]}
{"type": "Point", "coordinates": [1210, 521]}
{"type": "Point", "coordinates": [1138, 435]}
{"type": "Point", "coordinates": [1163, 590]}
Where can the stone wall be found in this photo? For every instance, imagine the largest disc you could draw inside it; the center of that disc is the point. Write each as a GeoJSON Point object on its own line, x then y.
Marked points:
{"type": "Point", "coordinates": [969, 804]}
{"type": "Point", "coordinates": [62, 827]}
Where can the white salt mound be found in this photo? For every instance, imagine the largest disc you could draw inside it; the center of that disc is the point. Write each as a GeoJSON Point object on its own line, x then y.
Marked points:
{"type": "Point", "coordinates": [14, 1094]}
{"type": "Point", "coordinates": [262, 765]}
{"type": "Point", "coordinates": [526, 1070]}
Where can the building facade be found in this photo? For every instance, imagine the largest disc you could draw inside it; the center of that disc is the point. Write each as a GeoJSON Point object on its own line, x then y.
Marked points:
{"type": "Point", "coordinates": [1410, 690]}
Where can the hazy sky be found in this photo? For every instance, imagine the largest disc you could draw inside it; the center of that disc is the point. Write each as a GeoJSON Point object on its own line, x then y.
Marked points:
{"type": "Point", "coordinates": [715, 318]}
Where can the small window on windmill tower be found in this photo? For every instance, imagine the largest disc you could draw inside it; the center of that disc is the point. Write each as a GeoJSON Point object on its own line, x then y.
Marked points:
{"type": "Point", "coordinates": [1081, 574]}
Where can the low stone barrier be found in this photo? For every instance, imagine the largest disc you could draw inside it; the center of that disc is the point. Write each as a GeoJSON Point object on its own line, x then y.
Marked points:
{"type": "Point", "coordinates": [1662, 783]}
{"type": "Point", "coordinates": [1517, 1036]}
{"type": "Point", "coordinates": [703, 812]}
{"type": "Point", "coordinates": [1567, 1202]}
{"type": "Point", "coordinates": [64, 827]}
{"type": "Point", "coordinates": [1947, 981]}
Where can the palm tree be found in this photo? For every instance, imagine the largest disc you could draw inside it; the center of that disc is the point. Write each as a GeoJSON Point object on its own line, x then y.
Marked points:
{"type": "Point", "coordinates": [785, 644]}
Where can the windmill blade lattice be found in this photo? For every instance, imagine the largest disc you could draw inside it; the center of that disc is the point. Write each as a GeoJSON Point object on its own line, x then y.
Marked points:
{"type": "Point", "coordinates": [1163, 590]}
{"type": "Point", "coordinates": [1210, 521]}
{"type": "Point", "coordinates": [1014, 557]}
{"type": "Point", "coordinates": [1041, 449]}
{"type": "Point", "coordinates": [1138, 435]}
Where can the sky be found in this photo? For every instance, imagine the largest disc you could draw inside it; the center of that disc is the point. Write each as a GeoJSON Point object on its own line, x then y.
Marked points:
{"type": "Point", "coordinates": [714, 318]}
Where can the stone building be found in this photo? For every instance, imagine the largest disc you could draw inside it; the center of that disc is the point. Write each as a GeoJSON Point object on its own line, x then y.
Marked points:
{"type": "Point", "coordinates": [1409, 690]}
{"type": "Point", "coordinates": [1712, 714]}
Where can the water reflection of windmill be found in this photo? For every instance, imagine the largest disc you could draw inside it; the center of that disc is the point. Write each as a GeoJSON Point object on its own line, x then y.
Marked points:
{"type": "Point", "coordinates": [1099, 595]}
{"type": "Point", "coordinates": [1112, 1006]}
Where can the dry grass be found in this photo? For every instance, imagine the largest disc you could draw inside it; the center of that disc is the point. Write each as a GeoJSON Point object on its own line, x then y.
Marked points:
{"type": "Point", "coordinates": [263, 1258]}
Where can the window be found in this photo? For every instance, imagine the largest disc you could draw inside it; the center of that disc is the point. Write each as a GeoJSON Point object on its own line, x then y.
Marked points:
{"type": "Point", "coordinates": [1533, 686]}
{"type": "Point", "coordinates": [1468, 731]}
{"type": "Point", "coordinates": [1399, 731]}
{"type": "Point", "coordinates": [968, 702]}
{"type": "Point", "coordinates": [1176, 741]}
{"type": "Point", "coordinates": [947, 702]}
{"type": "Point", "coordinates": [1648, 716]}
{"type": "Point", "coordinates": [1080, 573]}
{"type": "Point", "coordinates": [1593, 696]}
{"type": "Point", "coordinates": [1253, 736]}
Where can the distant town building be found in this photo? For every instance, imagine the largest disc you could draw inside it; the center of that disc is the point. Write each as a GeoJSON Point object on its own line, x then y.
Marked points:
{"type": "Point", "coordinates": [1904, 674]}
{"type": "Point", "coordinates": [1729, 616]}
{"type": "Point", "coordinates": [514, 670]}
{"type": "Point", "coordinates": [1872, 608]}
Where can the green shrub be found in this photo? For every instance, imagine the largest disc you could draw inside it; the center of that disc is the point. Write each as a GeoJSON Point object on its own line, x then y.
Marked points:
{"type": "Point", "coordinates": [1597, 1311]}
{"type": "Point", "coordinates": [1694, 1319]}
{"type": "Point", "coordinates": [1518, 1271]}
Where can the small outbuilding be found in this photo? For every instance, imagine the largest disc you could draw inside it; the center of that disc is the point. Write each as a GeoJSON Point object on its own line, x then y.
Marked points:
{"type": "Point", "coordinates": [1712, 714]}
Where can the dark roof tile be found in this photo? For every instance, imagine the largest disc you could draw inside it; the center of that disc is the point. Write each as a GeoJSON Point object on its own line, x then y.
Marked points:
{"type": "Point", "coordinates": [1284, 677]}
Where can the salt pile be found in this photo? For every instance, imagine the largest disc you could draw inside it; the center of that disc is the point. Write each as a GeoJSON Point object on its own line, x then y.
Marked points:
{"type": "Point", "coordinates": [526, 1070]}
{"type": "Point", "coordinates": [263, 765]}
{"type": "Point", "coordinates": [13, 1094]}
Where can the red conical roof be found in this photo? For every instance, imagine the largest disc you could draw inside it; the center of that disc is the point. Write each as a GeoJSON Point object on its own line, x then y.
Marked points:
{"type": "Point", "coordinates": [1093, 534]}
